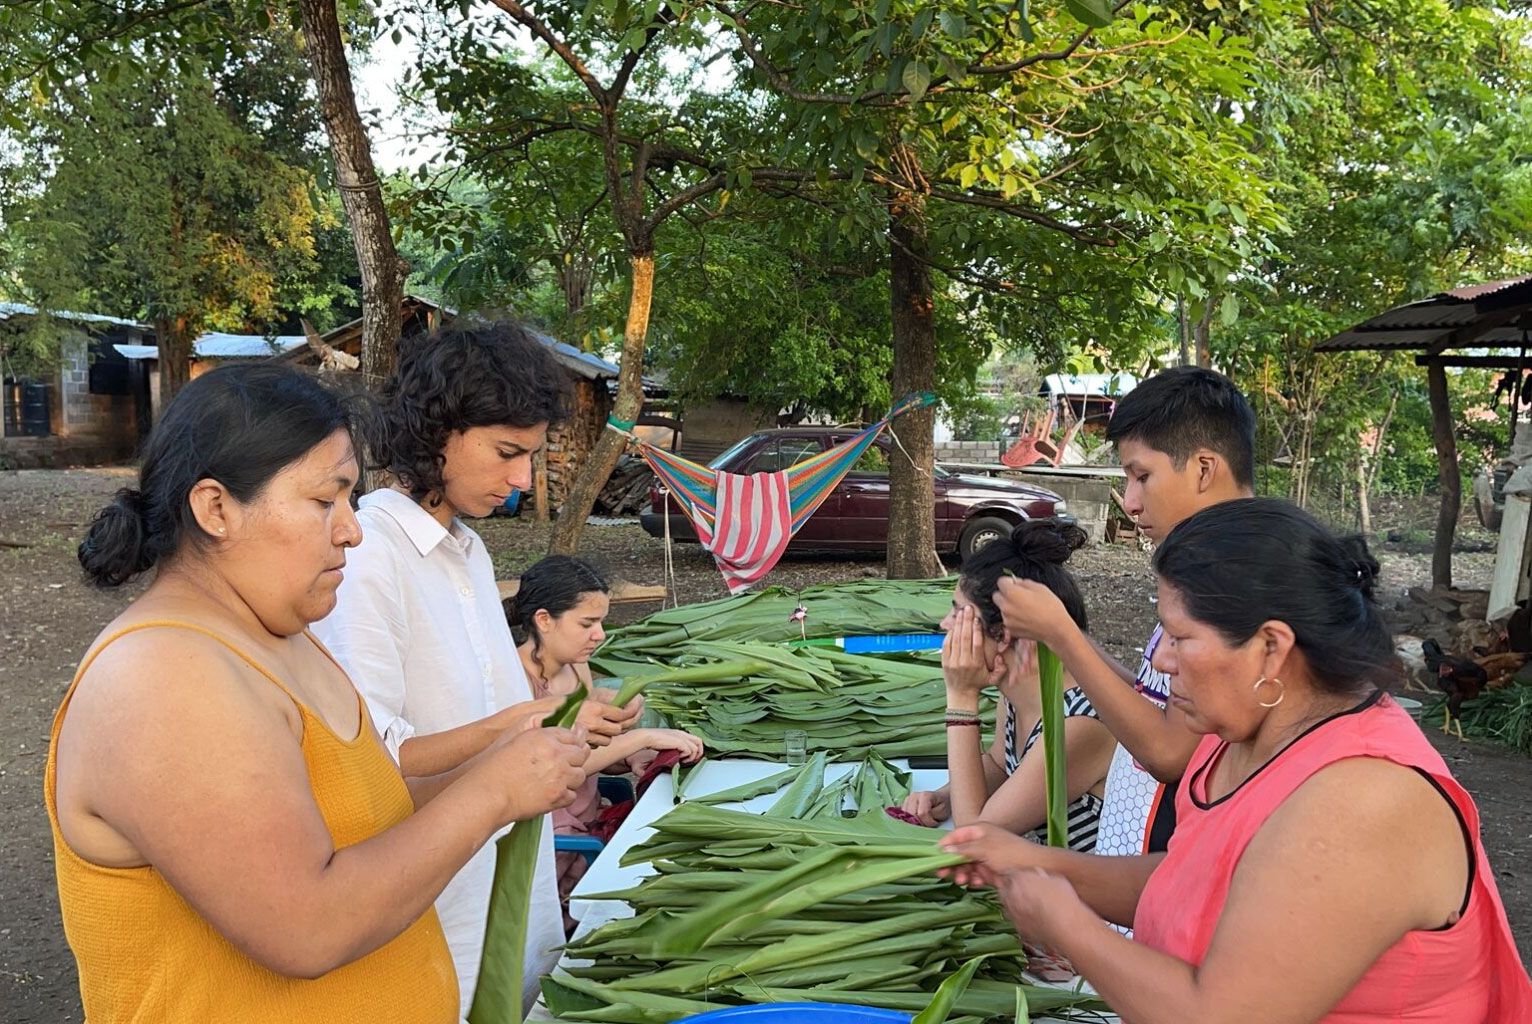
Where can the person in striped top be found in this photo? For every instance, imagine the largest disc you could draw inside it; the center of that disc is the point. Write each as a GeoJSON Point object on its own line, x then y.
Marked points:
{"type": "Point", "coordinates": [1004, 784]}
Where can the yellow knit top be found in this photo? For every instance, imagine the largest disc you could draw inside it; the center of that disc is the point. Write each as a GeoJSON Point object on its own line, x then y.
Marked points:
{"type": "Point", "coordinates": [145, 955]}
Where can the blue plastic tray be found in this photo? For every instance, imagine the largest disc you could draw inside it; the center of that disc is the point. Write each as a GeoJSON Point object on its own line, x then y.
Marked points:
{"type": "Point", "coordinates": [799, 1013]}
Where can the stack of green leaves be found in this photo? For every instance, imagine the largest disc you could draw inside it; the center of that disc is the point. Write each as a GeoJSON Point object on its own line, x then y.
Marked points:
{"type": "Point", "coordinates": [822, 899]}
{"type": "Point", "coordinates": [861, 608]}
{"type": "Point", "coordinates": [847, 704]}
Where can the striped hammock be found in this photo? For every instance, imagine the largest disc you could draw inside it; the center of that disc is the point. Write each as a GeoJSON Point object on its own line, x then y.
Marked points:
{"type": "Point", "coordinates": [745, 521]}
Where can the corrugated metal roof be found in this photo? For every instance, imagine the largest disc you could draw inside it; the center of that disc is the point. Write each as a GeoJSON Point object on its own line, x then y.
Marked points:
{"type": "Point", "coordinates": [244, 346]}
{"type": "Point", "coordinates": [224, 346]}
{"type": "Point", "coordinates": [10, 309]}
{"type": "Point", "coordinates": [1426, 323]}
{"type": "Point", "coordinates": [1478, 291]}
{"type": "Point", "coordinates": [591, 367]}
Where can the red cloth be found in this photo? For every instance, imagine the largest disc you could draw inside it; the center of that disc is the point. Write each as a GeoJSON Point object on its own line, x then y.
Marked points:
{"type": "Point", "coordinates": [1468, 974]}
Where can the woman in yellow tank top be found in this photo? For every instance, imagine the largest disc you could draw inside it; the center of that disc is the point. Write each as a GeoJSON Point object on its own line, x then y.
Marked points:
{"type": "Point", "coordinates": [232, 841]}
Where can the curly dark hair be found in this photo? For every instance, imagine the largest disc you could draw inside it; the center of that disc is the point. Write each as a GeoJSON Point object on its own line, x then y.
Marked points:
{"type": "Point", "coordinates": [472, 374]}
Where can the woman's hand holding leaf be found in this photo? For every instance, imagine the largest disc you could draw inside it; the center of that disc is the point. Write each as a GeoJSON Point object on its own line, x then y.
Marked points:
{"type": "Point", "coordinates": [535, 771]}
{"type": "Point", "coordinates": [604, 720]}
{"type": "Point", "coordinates": [964, 667]}
{"type": "Point", "coordinates": [529, 714]}
{"type": "Point", "coordinates": [931, 808]}
{"type": "Point", "coordinates": [1031, 611]}
{"type": "Point", "coordinates": [992, 851]}
{"type": "Point", "coordinates": [1044, 907]}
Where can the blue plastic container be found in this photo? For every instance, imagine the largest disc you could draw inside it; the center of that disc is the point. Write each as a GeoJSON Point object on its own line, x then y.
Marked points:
{"type": "Point", "coordinates": [798, 1013]}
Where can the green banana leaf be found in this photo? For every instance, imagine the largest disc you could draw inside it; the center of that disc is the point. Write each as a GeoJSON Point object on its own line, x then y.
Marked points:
{"type": "Point", "coordinates": [497, 995]}
{"type": "Point", "coordinates": [750, 790]}
{"type": "Point", "coordinates": [947, 994]}
{"type": "Point", "coordinates": [1055, 759]}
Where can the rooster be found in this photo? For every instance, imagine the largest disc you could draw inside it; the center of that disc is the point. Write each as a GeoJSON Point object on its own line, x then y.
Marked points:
{"type": "Point", "coordinates": [1459, 678]}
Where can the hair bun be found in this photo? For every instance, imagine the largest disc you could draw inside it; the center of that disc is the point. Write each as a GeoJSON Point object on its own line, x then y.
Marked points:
{"type": "Point", "coordinates": [1050, 541]}
{"type": "Point", "coordinates": [116, 546]}
{"type": "Point", "coordinates": [1360, 564]}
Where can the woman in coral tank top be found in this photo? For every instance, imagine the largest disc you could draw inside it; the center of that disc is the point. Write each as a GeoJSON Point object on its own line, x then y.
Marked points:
{"type": "Point", "coordinates": [1326, 867]}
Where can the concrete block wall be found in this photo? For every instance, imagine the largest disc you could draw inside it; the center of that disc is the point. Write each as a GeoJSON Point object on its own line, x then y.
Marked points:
{"type": "Point", "coordinates": [968, 451]}
{"type": "Point", "coordinates": [1089, 501]}
{"type": "Point", "coordinates": [84, 415]}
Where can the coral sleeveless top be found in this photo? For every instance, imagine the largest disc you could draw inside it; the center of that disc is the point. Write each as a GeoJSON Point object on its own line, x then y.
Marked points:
{"type": "Point", "coordinates": [1468, 973]}
{"type": "Point", "coordinates": [145, 955]}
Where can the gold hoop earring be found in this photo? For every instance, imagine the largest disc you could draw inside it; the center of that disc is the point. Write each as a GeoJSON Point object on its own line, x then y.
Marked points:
{"type": "Point", "coordinates": [1262, 682]}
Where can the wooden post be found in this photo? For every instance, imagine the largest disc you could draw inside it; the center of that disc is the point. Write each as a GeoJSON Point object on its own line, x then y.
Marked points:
{"type": "Point", "coordinates": [1521, 364]}
{"type": "Point", "coordinates": [540, 483]}
{"type": "Point", "coordinates": [1449, 482]}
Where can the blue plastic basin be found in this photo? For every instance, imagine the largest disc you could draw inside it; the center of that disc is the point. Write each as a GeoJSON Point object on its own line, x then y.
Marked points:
{"type": "Point", "coordinates": [798, 1013]}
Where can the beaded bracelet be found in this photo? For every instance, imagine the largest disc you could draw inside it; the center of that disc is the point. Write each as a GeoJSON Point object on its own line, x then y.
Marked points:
{"type": "Point", "coordinates": [962, 722]}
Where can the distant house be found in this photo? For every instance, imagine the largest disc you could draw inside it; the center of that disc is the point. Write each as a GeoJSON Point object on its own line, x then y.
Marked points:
{"type": "Point", "coordinates": [91, 406]}
{"type": "Point", "coordinates": [1089, 397]}
{"type": "Point", "coordinates": [210, 350]}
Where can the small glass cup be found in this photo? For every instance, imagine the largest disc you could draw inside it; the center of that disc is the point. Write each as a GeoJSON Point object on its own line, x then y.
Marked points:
{"type": "Point", "coordinates": [795, 746]}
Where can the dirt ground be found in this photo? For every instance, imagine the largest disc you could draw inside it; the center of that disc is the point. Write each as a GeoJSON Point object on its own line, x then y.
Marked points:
{"type": "Point", "coordinates": [47, 616]}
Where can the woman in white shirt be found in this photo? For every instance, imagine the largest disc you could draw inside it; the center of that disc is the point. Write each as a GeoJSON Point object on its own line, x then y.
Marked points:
{"type": "Point", "coordinates": [418, 622]}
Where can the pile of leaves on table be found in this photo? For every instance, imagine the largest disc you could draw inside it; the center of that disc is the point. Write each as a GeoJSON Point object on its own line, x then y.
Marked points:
{"type": "Point", "coordinates": [849, 705]}
{"type": "Point", "coordinates": [824, 898]}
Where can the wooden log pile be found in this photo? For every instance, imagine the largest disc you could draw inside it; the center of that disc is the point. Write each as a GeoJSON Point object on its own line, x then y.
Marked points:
{"type": "Point", "coordinates": [627, 492]}
{"type": "Point", "coordinates": [570, 443]}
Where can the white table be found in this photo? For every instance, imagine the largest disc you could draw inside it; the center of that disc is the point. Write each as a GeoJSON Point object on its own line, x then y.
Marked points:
{"type": "Point", "coordinates": [659, 799]}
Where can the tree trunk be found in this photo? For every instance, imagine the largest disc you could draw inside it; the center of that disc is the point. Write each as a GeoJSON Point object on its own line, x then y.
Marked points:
{"type": "Point", "coordinates": [175, 345]}
{"type": "Point", "coordinates": [383, 272]}
{"type": "Point", "coordinates": [1200, 335]}
{"type": "Point", "coordinates": [1367, 465]}
{"type": "Point", "coordinates": [911, 496]}
{"type": "Point", "coordinates": [1448, 480]}
{"type": "Point", "coordinates": [1183, 331]}
{"type": "Point", "coordinates": [1364, 510]}
{"type": "Point", "coordinates": [630, 399]}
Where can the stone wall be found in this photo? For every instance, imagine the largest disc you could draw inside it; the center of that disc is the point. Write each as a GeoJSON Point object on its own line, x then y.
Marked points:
{"type": "Point", "coordinates": [105, 418]}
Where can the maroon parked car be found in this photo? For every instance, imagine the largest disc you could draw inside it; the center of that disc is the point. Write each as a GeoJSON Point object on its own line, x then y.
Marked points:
{"type": "Point", "coordinates": [971, 511]}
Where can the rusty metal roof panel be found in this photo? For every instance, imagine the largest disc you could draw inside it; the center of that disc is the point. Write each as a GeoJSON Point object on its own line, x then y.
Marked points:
{"type": "Point", "coordinates": [1475, 292]}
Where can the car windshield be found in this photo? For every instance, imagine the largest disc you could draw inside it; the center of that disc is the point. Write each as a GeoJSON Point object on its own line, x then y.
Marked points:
{"type": "Point", "coordinates": [734, 450]}
{"type": "Point", "coordinates": [729, 453]}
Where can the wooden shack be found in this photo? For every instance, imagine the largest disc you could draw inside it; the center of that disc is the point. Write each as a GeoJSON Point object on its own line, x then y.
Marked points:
{"type": "Point", "coordinates": [568, 444]}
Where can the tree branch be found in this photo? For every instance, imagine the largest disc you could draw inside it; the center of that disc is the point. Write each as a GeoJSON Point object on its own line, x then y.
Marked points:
{"type": "Point", "coordinates": [993, 201]}
{"type": "Point", "coordinates": [683, 198]}
{"type": "Point", "coordinates": [779, 82]}
{"type": "Point", "coordinates": [1038, 58]}
{"type": "Point", "coordinates": [535, 25]}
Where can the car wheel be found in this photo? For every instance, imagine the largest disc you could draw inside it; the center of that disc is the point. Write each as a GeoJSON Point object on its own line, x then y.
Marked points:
{"type": "Point", "coordinates": [981, 531]}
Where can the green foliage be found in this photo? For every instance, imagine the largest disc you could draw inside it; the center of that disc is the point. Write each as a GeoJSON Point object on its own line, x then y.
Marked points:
{"type": "Point", "coordinates": [1391, 130]}
{"type": "Point", "coordinates": [185, 196]}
